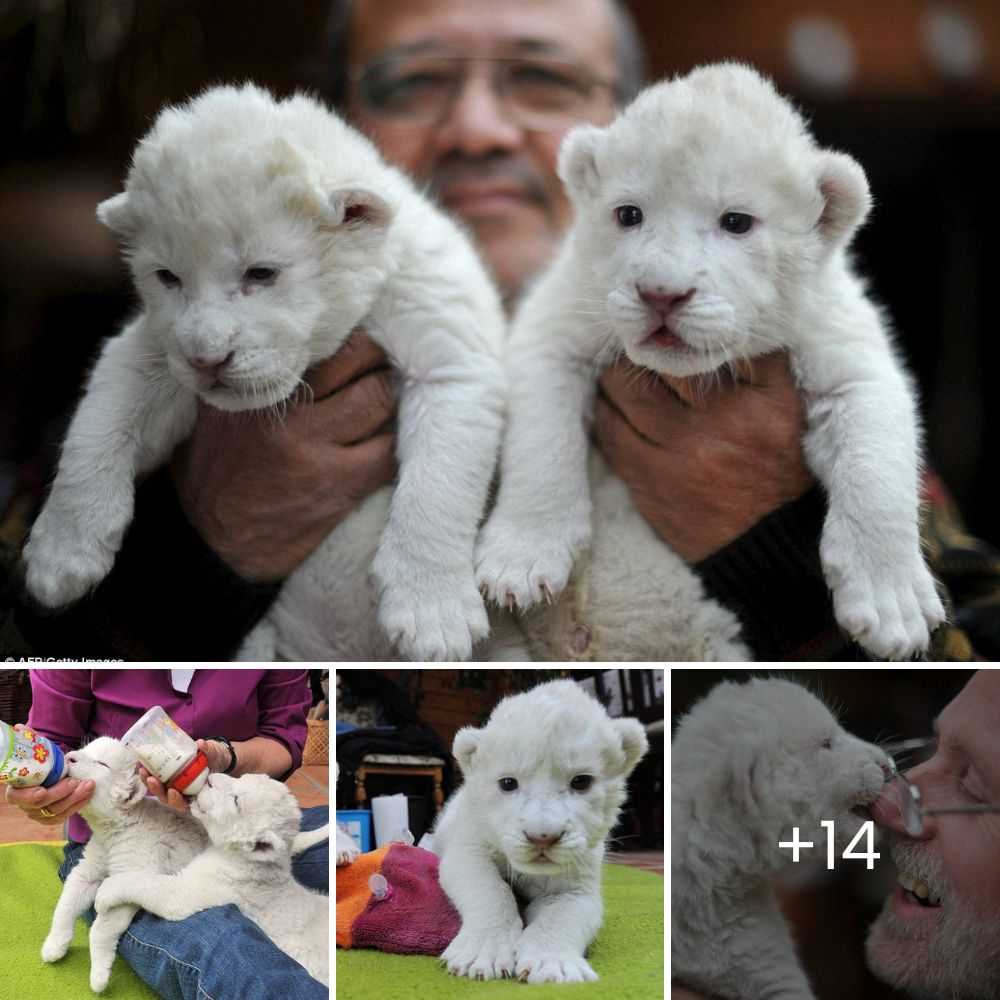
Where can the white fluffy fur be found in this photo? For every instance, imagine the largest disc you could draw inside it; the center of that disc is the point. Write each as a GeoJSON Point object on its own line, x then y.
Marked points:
{"type": "Point", "coordinates": [543, 739]}
{"type": "Point", "coordinates": [132, 835]}
{"type": "Point", "coordinates": [235, 181]}
{"type": "Point", "coordinates": [686, 152]}
{"type": "Point", "coordinates": [747, 764]}
{"type": "Point", "coordinates": [252, 822]}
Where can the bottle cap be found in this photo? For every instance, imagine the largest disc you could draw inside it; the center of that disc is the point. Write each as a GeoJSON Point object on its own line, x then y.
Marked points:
{"type": "Point", "coordinates": [187, 779]}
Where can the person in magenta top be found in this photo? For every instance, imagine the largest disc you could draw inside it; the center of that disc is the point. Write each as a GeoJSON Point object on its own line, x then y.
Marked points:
{"type": "Point", "coordinates": [262, 715]}
{"type": "Point", "coordinates": [262, 712]}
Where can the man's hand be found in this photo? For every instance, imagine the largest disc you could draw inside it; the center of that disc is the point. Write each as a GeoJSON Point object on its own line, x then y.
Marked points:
{"type": "Point", "coordinates": [263, 492]}
{"type": "Point", "coordinates": [704, 458]}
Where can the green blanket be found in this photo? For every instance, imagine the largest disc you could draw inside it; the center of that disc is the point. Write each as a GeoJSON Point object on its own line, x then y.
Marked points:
{"type": "Point", "coordinates": [627, 955]}
{"type": "Point", "coordinates": [29, 888]}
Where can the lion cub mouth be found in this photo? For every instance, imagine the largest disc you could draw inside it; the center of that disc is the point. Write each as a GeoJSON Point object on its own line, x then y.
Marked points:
{"type": "Point", "coordinates": [663, 336]}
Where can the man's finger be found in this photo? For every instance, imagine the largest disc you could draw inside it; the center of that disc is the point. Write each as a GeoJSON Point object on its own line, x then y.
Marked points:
{"type": "Point", "coordinates": [371, 464]}
{"type": "Point", "coordinates": [650, 404]}
{"type": "Point", "coordinates": [356, 357]}
{"type": "Point", "coordinates": [766, 370]}
{"type": "Point", "coordinates": [356, 412]}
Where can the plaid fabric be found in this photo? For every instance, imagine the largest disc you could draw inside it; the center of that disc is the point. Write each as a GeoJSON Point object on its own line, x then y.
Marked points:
{"type": "Point", "coordinates": [969, 569]}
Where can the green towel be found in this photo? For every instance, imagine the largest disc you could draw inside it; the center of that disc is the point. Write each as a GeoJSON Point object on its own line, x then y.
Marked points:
{"type": "Point", "coordinates": [627, 954]}
{"type": "Point", "coordinates": [29, 889]}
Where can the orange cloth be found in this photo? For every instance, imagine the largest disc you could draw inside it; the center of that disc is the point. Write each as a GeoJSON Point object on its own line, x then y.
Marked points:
{"type": "Point", "coordinates": [353, 893]}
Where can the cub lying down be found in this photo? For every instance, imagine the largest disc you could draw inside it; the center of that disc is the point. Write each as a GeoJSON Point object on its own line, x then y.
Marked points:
{"type": "Point", "coordinates": [544, 780]}
{"type": "Point", "coordinates": [131, 834]}
{"type": "Point", "coordinates": [709, 228]}
{"type": "Point", "coordinates": [252, 822]}
{"type": "Point", "coordinates": [749, 762]}
{"type": "Point", "coordinates": [260, 233]}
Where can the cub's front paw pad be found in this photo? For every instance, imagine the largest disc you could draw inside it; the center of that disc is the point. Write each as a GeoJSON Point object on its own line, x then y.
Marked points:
{"type": "Point", "coordinates": [533, 967]}
{"type": "Point", "coordinates": [99, 981]}
{"type": "Point", "coordinates": [479, 958]}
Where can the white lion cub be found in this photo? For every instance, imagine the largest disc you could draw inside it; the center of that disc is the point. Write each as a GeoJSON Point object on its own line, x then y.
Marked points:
{"type": "Point", "coordinates": [749, 763]}
{"type": "Point", "coordinates": [260, 233]}
{"type": "Point", "coordinates": [709, 228]}
{"type": "Point", "coordinates": [131, 834]}
{"type": "Point", "coordinates": [252, 822]}
{"type": "Point", "coordinates": [544, 780]}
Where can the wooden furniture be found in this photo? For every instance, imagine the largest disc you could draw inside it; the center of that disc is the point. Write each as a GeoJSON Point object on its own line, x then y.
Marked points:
{"type": "Point", "coordinates": [400, 764]}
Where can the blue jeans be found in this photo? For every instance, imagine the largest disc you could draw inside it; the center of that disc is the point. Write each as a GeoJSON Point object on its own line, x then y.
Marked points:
{"type": "Point", "coordinates": [218, 954]}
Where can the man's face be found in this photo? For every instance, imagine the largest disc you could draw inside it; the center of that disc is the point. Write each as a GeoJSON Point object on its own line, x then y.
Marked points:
{"type": "Point", "coordinates": [952, 950]}
{"type": "Point", "coordinates": [496, 174]}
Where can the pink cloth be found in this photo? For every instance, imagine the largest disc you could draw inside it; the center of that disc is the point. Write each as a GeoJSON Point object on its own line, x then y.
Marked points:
{"type": "Point", "coordinates": [415, 917]}
{"type": "Point", "coordinates": [73, 706]}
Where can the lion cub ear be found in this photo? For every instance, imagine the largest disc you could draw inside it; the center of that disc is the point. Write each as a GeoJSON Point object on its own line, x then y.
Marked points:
{"type": "Point", "coordinates": [116, 213]}
{"type": "Point", "coordinates": [633, 740]}
{"type": "Point", "coordinates": [847, 199]}
{"type": "Point", "coordinates": [578, 161]}
{"type": "Point", "coordinates": [358, 206]}
{"type": "Point", "coordinates": [465, 746]}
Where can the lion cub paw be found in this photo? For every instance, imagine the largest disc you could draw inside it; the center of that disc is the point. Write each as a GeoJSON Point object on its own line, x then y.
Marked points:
{"type": "Point", "coordinates": [528, 564]}
{"type": "Point", "coordinates": [479, 957]}
{"type": "Point", "coordinates": [534, 966]}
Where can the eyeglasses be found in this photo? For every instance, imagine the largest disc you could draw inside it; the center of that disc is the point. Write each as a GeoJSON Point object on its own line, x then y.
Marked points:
{"type": "Point", "coordinates": [905, 756]}
{"type": "Point", "coordinates": [541, 95]}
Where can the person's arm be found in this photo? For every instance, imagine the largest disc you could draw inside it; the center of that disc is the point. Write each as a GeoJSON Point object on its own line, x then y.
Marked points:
{"type": "Point", "coordinates": [245, 502]}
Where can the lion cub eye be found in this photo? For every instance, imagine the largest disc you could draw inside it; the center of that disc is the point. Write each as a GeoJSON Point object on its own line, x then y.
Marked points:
{"type": "Point", "coordinates": [581, 782]}
{"type": "Point", "coordinates": [260, 275]}
{"type": "Point", "coordinates": [628, 215]}
{"type": "Point", "coordinates": [168, 279]}
{"type": "Point", "coordinates": [507, 784]}
{"type": "Point", "coordinates": [736, 222]}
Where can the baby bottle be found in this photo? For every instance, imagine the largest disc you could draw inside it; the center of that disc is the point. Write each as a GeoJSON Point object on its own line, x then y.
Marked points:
{"type": "Point", "coordinates": [168, 752]}
{"type": "Point", "coordinates": [27, 759]}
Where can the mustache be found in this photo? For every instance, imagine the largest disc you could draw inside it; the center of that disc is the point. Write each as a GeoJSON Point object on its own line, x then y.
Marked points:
{"type": "Point", "coordinates": [501, 168]}
{"type": "Point", "coordinates": [916, 861]}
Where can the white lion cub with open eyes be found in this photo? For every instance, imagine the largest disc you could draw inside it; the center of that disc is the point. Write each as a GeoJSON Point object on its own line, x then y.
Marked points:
{"type": "Point", "coordinates": [260, 233]}
{"type": "Point", "coordinates": [751, 764]}
{"type": "Point", "coordinates": [709, 228]}
{"type": "Point", "coordinates": [544, 780]}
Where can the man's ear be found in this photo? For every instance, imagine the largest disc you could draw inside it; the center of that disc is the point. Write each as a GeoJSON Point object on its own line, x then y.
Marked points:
{"type": "Point", "coordinates": [116, 214]}
{"type": "Point", "coordinates": [360, 207]}
{"type": "Point", "coordinates": [465, 746]}
{"type": "Point", "coordinates": [847, 199]}
{"type": "Point", "coordinates": [578, 161]}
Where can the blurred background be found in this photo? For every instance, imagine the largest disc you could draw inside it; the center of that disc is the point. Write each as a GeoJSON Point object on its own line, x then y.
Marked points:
{"type": "Point", "coordinates": [830, 911]}
{"type": "Point", "coordinates": [909, 87]}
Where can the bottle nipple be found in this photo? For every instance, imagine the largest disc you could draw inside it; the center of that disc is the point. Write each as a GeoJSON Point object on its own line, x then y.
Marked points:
{"type": "Point", "coordinates": [378, 886]}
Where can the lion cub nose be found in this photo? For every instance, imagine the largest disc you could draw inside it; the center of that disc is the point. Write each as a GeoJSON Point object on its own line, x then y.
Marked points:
{"type": "Point", "coordinates": [210, 365]}
{"type": "Point", "coordinates": [543, 840]}
{"type": "Point", "coordinates": [663, 302]}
